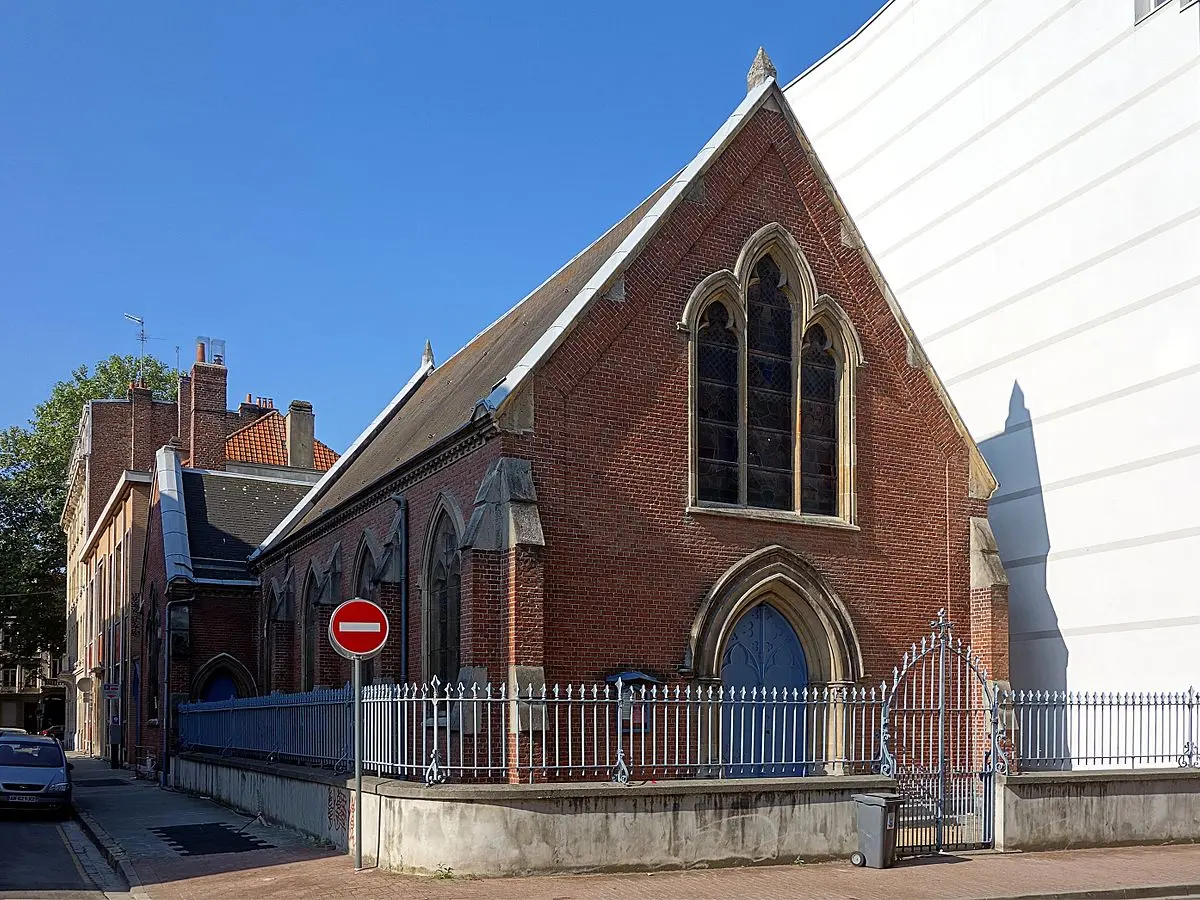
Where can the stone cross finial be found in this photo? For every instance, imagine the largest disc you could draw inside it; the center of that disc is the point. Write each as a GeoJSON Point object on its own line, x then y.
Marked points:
{"type": "Point", "coordinates": [761, 70]}
{"type": "Point", "coordinates": [427, 356]}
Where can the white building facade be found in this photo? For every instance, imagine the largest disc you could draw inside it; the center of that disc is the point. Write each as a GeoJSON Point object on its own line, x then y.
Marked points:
{"type": "Point", "coordinates": [1027, 173]}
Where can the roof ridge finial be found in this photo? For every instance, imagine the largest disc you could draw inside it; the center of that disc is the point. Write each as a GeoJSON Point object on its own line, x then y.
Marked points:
{"type": "Point", "coordinates": [427, 356]}
{"type": "Point", "coordinates": [762, 69]}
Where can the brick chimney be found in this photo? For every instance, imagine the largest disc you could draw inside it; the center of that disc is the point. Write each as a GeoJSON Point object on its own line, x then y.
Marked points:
{"type": "Point", "coordinates": [142, 433]}
{"type": "Point", "coordinates": [207, 432]}
{"type": "Point", "coordinates": [299, 430]}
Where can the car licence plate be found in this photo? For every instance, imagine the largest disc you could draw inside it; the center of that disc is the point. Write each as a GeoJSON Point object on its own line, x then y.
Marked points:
{"type": "Point", "coordinates": [21, 798]}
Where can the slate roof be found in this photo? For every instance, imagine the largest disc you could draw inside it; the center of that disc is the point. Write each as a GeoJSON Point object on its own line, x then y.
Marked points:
{"type": "Point", "coordinates": [265, 441]}
{"type": "Point", "coordinates": [440, 401]}
{"type": "Point", "coordinates": [229, 515]}
{"type": "Point", "coordinates": [445, 400]}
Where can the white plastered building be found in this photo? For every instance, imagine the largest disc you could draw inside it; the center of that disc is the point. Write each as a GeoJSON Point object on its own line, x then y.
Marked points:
{"type": "Point", "coordinates": [1027, 173]}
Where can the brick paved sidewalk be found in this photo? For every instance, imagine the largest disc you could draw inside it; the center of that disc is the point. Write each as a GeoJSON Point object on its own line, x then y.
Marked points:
{"type": "Point", "coordinates": [297, 869]}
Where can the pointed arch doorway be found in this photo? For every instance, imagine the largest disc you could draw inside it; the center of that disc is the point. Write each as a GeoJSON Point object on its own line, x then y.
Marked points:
{"type": "Point", "coordinates": [763, 664]}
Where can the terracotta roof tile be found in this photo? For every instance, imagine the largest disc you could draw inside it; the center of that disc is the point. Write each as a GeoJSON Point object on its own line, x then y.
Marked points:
{"type": "Point", "coordinates": [264, 441]}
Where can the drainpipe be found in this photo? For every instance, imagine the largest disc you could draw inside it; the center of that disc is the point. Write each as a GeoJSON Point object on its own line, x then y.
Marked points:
{"type": "Point", "coordinates": [403, 588]}
{"type": "Point", "coordinates": [165, 712]}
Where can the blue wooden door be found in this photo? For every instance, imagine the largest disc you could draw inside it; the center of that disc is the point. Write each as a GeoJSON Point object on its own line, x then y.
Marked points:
{"type": "Point", "coordinates": [220, 686]}
{"type": "Point", "coordinates": [764, 733]}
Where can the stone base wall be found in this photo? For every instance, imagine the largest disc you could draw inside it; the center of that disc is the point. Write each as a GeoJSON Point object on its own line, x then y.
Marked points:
{"type": "Point", "coordinates": [1057, 810]}
{"type": "Point", "coordinates": [501, 829]}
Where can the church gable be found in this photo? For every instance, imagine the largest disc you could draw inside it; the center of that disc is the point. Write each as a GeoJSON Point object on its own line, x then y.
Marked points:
{"type": "Point", "coordinates": [745, 312]}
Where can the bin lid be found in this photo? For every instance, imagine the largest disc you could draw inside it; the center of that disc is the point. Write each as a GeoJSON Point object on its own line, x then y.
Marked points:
{"type": "Point", "coordinates": [877, 799]}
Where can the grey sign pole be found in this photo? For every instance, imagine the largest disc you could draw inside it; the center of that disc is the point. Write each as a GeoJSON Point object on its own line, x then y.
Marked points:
{"type": "Point", "coordinates": [358, 629]}
{"type": "Point", "coordinates": [358, 753]}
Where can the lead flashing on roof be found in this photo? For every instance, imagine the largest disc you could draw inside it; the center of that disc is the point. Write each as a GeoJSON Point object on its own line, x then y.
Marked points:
{"type": "Point", "coordinates": [176, 549]}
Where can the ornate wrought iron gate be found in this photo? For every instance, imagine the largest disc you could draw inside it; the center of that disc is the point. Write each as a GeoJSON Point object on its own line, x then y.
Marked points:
{"type": "Point", "coordinates": [942, 741]}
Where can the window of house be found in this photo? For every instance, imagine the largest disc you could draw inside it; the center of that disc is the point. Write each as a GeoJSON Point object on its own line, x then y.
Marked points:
{"type": "Point", "coordinates": [772, 399]}
{"type": "Point", "coordinates": [445, 599]}
{"type": "Point", "coordinates": [1143, 8]}
{"type": "Point", "coordinates": [154, 639]}
{"type": "Point", "coordinates": [8, 678]}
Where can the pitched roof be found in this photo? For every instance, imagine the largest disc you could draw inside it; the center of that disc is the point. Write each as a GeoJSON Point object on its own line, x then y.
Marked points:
{"type": "Point", "coordinates": [229, 515]}
{"type": "Point", "coordinates": [265, 441]}
{"type": "Point", "coordinates": [491, 367]}
{"type": "Point", "coordinates": [446, 399]}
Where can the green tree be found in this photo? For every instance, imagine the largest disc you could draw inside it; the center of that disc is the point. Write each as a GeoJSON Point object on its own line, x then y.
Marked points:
{"type": "Point", "coordinates": [33, 486]}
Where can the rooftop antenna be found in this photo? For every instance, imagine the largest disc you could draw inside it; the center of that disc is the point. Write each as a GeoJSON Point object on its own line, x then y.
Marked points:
{"type": "Point", "coordinates": [141, 337]}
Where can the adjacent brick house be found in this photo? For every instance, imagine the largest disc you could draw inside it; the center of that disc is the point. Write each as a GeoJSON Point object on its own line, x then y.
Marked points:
{"type": "Point", "coordinates": [107, 512]}
{"type": "Point", "coordinates": [712, 425]}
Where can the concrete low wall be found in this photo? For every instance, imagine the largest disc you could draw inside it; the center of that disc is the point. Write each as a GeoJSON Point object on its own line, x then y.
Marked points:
{"type": "Point", "coordinates": [524, 829]}
{"type": "Point", "coordinates": [1056, 810]}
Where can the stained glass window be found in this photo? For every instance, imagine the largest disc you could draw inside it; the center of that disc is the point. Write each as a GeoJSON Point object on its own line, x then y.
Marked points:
{"type": "Point", "coordinates": [717, 404]}
{"type": "Point", "coordinates": [444, 603]}
{"type": "Point", "coordinates": [769, 391]}
{"type": "Point", "coordinates": [818, 425]}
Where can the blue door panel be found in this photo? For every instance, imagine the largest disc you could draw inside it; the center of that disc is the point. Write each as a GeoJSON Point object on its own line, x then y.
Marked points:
{"type": "Point", "coordinates": [763, 735]}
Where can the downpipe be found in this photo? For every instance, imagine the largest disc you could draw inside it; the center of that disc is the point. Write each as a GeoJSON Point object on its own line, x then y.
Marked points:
{"type": "Point", "coordinates": [403, 564]}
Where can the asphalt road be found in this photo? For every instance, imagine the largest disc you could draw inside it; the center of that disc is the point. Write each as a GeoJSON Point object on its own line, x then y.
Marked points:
{"type": "Point", "coordinates": [50, 860]}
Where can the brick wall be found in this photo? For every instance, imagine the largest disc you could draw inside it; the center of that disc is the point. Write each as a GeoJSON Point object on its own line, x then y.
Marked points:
{"type": "Point", "coordinates": [459, 481]}
{"type": "Point", "coordinates": [109, 456]}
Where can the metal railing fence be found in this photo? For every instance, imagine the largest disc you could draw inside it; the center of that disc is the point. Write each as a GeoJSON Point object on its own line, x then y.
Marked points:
{"type": "Point", "coordinates": [613, 731]}
{"type": "Point", "coordinates": [313, 728]}
{"type": "Point", "coordinates": [559, 733]}
{"type": "Point", "coordinates": [1068, 730]}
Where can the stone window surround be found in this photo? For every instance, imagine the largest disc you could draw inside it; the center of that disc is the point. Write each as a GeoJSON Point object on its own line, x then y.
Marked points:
{"type": "Point", "coordinates": [810, 308]}
{"type": "Point", "coordinates": [445, 504]}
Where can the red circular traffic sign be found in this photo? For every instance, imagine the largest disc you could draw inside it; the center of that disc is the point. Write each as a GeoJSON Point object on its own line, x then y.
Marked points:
{"type": "Point", "coordinates": [358, 628]}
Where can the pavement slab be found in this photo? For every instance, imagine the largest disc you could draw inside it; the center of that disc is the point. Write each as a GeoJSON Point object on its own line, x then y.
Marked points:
{"type": "Point", "coordinates": [294, 867]}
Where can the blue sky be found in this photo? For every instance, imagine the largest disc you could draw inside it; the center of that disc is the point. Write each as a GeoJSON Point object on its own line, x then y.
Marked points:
{"type": "Point", "coordinates": [326, 185]}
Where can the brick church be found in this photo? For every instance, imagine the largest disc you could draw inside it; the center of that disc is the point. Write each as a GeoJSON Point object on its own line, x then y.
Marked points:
{"type": "Point", "coordinates": [709, 448]}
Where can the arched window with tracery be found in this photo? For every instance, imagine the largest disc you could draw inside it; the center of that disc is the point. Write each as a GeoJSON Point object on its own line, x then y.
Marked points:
{"type": "Point", "coordinates": [772, 388]}
{"type": "Point", "coordinates": [445, 602]}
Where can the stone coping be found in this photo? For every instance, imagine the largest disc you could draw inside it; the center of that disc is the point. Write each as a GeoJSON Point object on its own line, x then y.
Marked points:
{"type": "Point", "coordinates": [1101, 776]}
{"type": "Point", "coordinates": [501, 793]}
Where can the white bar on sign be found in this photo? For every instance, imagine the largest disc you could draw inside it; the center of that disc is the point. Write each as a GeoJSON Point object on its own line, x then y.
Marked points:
{"type": "Point", "coordinates": [359, 626]}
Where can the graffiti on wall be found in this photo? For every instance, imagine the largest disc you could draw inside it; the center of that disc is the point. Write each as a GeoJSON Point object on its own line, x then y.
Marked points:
{"type": "Point", "coordinates": [339, 812]}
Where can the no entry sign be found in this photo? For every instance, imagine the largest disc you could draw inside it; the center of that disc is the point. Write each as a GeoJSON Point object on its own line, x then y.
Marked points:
{"type": "Point", "coordinates": [358, 629]}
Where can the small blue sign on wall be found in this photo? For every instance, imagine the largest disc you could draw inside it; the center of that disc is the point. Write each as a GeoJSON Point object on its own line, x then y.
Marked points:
{"type": "Point", "coordinates": [633, 712]}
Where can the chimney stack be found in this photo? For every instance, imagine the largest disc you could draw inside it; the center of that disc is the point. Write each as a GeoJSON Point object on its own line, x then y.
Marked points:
{"type": "Point", "coordinates": [299, 430]}
{"type": "Point", "coordinates": [207, 429]}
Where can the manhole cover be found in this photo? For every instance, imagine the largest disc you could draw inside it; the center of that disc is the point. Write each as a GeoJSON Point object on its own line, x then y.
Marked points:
{"type": "Point", "coordinates": [101, 782]}
{"type": "Point", "coordinates": [210, 837]}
